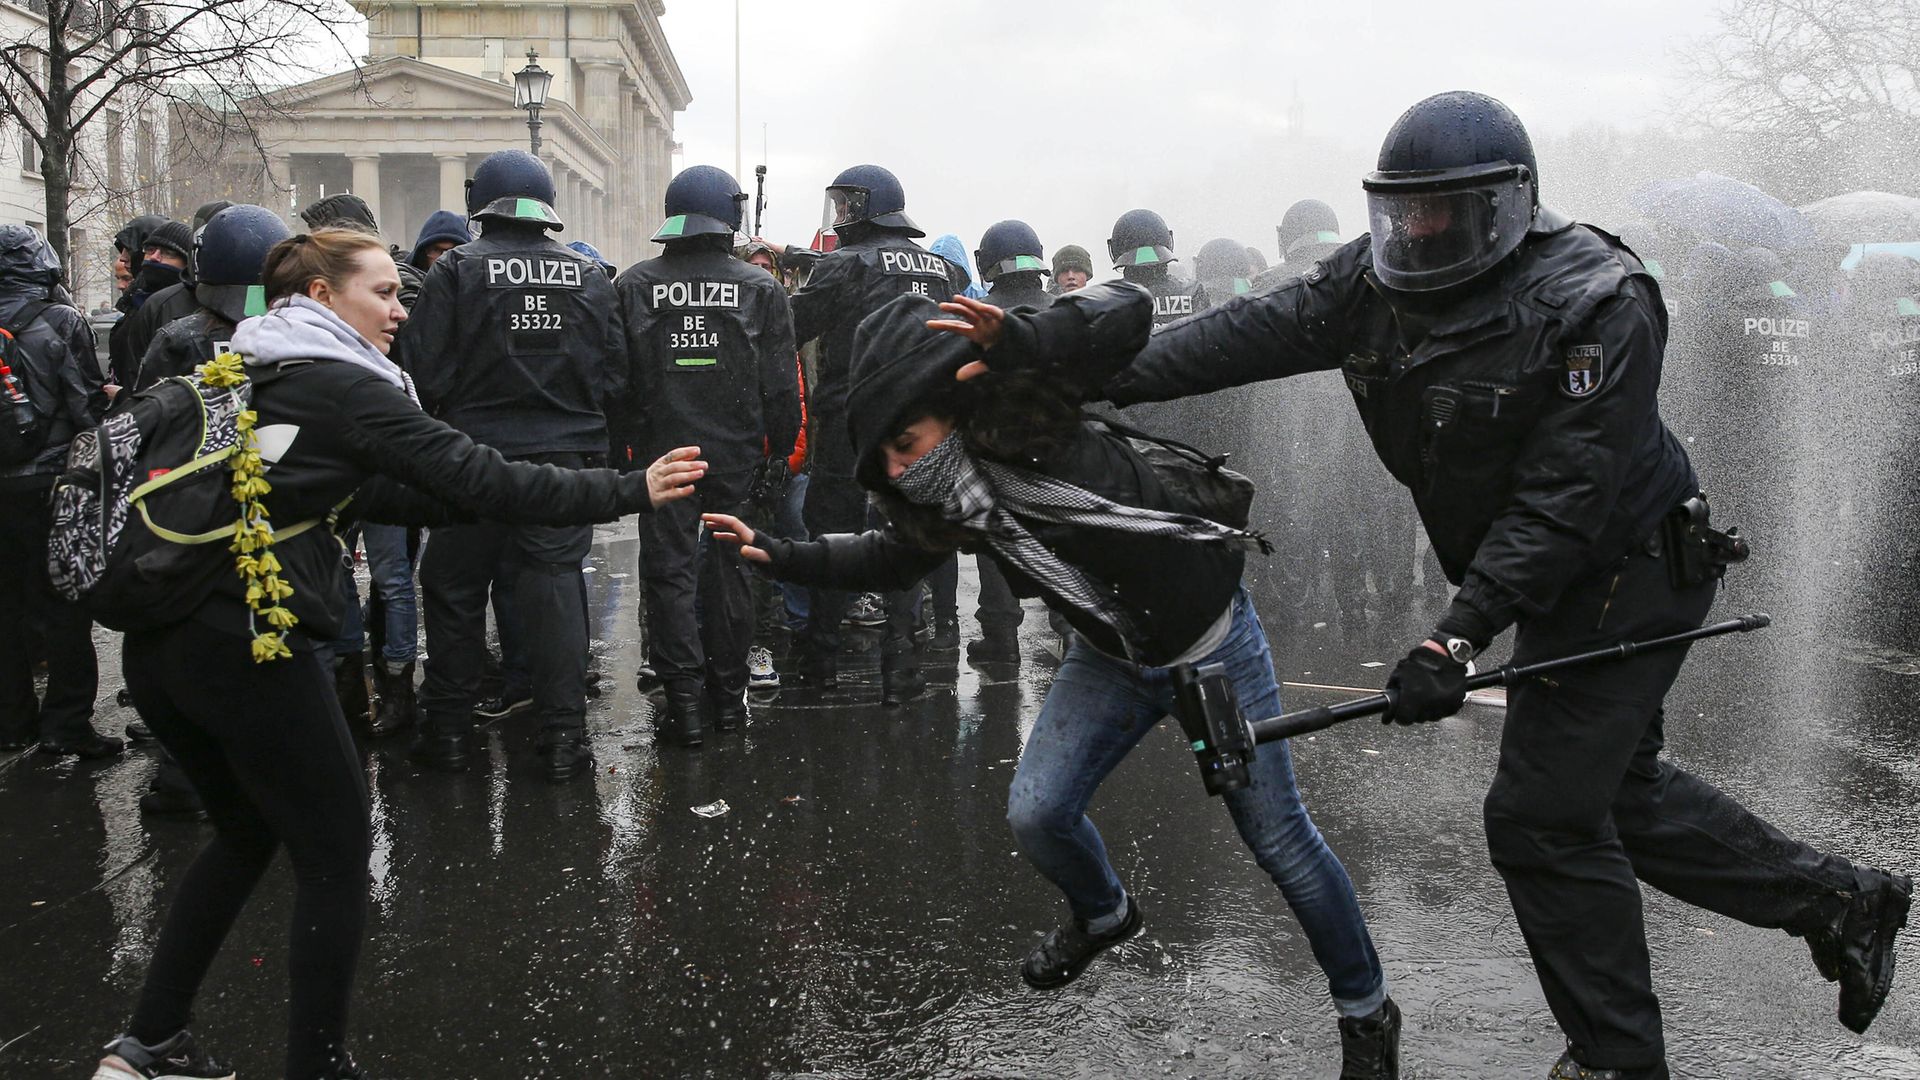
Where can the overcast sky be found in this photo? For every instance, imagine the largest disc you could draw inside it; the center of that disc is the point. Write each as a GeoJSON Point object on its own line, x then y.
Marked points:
{"type": "Point", "coordinates": [1068, 114]}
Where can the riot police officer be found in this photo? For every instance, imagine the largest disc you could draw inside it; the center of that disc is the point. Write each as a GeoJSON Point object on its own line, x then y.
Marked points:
{"type": "Point", "coordinates": [1012, 263]}
{"type": "Point", "coordinates": [1142, 250]}
{"type": "Point", "coordinates": [517, 341]}
{"type": "Point", "coordinates": [1308, 232]}
{"type": "Point", "coordinates": [1505, 361]}
{"type": "Point", "coordinates": [712, 344]}
{"type": "Point", "coordinates": [1223, 271]}
{"type": "Point", "coordinates": [875, 261]}
{"type": "Point", "coordinates": [229, 254]}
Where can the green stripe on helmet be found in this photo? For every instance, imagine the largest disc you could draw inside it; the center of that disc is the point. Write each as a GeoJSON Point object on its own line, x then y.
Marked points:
{"type": "Point", "coordinates": [1144, 255]}
{"type": "Point", "coordinates": [1780, 290]}
{"type": "Point", "coordinates": [1906, 306]}
{"type": "Point", "coordinates": [1241, 286]}
{"type": "Point", "coordinates": [673, 226]}
{"type": "Point", "coordinates": [256, 301]}
{"type": "Point", "coordinates": [1027, 262]}
{"type": "Point", "coordinates": [1326, 237]}
{"type": "Point", "coordinates": [531, 208]}
{"type": "Point", "coordinates": [1654, 269]}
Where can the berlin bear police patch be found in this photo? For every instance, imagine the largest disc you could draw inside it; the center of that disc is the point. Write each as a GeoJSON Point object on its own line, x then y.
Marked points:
{"type": "Point", "coordinates": [1585, 370]}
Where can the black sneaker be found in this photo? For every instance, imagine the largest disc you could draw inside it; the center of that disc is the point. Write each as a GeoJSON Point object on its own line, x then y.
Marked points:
{"type": "Point", "coordinates": [91, 746]}
{"type": "Point", "coordinates": [498, 708]}
{"type": "Point", "coordinates": [139, 732]}
{"type": "Point", "coordinates": [1370, 1045]}
{"type": "Point", "coordinates": [1067, 950]}
{"type": "Point", "coordinates": [1568, 1069]}
{"type": "Point", "coordinates": [1857, 951]}
{"type": "Point", "coordinates": [176, 1059]}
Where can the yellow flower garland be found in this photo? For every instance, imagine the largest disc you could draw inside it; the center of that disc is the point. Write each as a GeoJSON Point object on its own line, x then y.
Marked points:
{"type": "Point", "coordinates": [253, 533]}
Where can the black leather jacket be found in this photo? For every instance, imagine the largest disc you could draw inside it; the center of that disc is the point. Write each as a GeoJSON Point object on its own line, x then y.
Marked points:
{"type": "Point", "coordinates": [1523, 417]}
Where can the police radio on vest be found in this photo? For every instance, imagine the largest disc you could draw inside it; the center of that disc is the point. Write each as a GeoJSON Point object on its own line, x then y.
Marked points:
{"type": "Point", "coordinates": [520, 270]}
{"type": "Point", "coordinates": [685, 294]}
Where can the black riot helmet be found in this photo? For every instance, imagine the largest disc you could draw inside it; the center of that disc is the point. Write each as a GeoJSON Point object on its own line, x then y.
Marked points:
{"type": "Point", "coordinates": [1454, 193]}
{"type": "Point", "coordinates": [702, 201]}
{"type": "Point", "coordinates": [1010, 247]}
{"type": "Point", "coordinates": [512, 185]}
{"type": "Point", "coordinates": [1308, 225]}
{"type": "Point", "coordinates": [869, 195]}
{"type": "Point", "coordinates": [1223, 268]}
{"type": "Point", "coordinates": [1140, 238]}
{"type": "Point", "coordinates": [230, 256]}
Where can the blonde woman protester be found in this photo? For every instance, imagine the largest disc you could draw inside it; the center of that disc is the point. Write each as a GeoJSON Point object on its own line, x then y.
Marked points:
{"type": "Point", "coordinates": [264, 742]}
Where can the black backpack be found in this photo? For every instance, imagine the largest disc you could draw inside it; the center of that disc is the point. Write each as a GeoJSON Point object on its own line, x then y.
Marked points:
{"type": "Point", "coordinates": [143, 514]}
{"type": "Point", "coordinates": [23, 427]}
{"type": "Point", "coordinates": [1198, 482]}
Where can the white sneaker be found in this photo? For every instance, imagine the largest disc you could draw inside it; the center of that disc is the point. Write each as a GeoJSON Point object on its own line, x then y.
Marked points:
{"type": "Point", "coordinates": [760, 673]}
{"type": "Point", "coordinates": [869, 609]}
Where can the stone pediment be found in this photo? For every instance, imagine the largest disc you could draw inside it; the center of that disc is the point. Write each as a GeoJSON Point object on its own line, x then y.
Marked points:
{"type": "Point", "coordinates": [399, 83]}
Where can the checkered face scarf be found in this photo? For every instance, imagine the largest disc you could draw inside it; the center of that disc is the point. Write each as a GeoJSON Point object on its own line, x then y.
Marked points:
{"type": "Point", "coordinates": [992, 498]}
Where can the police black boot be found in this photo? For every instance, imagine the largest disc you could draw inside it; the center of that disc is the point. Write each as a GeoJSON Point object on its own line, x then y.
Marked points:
{"type": "Point", "coordinates": [900, 679]}
{"type": "Point", "coordinates": [946, 634]}
{"type": "Point", "coordinates": [680, 723]}
{"type": "Point", "coordinates": [440, 744]}
{"type": "Point", "coordinates": [1568, 1069]}
{"type": "Point", "coordinates": [394, 682]}
{"type": "Point", "coordinates": [728, 710]}
{"type": "Point", "coordinates": [995, 647]}
{"type": "Point", "coordinates": [1370, 1044]}
{"type": "Point", "coordinates": [1856, 951]}
{"type": "Point", "coordinates": [816, 671]}
{"type": "Point", "coordinates": [170, 794]}
{"type": "Point", "coordinates": [567, 754]}
{"type": "Point", "coordinates": [350, 686]}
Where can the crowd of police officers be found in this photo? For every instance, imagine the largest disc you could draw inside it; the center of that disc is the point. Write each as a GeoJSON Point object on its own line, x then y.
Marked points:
{"type": "Point", "coordinates": [1504, 362]}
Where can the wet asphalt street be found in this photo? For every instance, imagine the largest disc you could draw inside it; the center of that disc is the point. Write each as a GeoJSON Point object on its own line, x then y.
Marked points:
{"type": "Point", "coordinates": [860, 911]}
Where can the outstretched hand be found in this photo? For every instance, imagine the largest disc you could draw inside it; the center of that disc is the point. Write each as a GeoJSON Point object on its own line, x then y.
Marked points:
{"type": "Point", "coordinates": [731, 530]}
{"type": "Point", "coordinates": [978, 322]}
{"type": "Point", "coordinates": [672, 476]}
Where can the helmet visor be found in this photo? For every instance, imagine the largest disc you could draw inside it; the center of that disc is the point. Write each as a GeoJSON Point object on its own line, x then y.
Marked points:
{"type": "Point", "coordinates": [1424, 240]}
{"type": "Point", "coordinates": [844, 206]}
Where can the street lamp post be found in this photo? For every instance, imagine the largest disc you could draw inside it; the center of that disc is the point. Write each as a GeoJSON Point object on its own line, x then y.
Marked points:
{"type": "Point", "coordinates": [530, 86]}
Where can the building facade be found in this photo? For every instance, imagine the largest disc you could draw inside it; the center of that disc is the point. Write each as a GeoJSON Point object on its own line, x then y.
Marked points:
{"type": "Point", "coordinates": [119, 171]}
{"type": "Point", "coordinates": [435, 96]}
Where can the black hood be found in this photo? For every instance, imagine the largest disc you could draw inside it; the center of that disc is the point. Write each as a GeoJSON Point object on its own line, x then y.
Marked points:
{"type": "Point", "coordinates": [898, 366]}
{"type": "Point", "coordinates": [132, 238]}
{"type": "Point", "coordinates": [27, 261]}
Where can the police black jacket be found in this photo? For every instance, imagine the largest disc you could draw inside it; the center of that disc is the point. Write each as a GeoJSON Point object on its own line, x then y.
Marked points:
{"type": "Point", "coordinates": [61, 374]}
{"type": "Point", "coordinates": [331, 430]}
{"type": "Point", "coordinates": [871, 267]}
{"type": "Point", "coordinates": [1177, 588]}
{"type": "Point", "coordinates": [517, 341]}
{"type": "Point", "coordinates": [182, 345]}
{"type": "Point", "coordinates": [711, 340]}
{"type": "Point", "coordinates": [1523, 420]}
{"type": "Point", "coordinates": [1015, 289]}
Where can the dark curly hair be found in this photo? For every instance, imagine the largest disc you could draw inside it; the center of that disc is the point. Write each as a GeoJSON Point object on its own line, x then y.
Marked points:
{"type": "Point", "coordinates": [1021, 418]}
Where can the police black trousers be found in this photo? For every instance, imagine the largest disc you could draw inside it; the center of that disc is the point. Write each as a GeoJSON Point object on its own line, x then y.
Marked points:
{"type": "Point", "coordinates": [267, 750]}
{"type": "Point", "coordinates": [1582, 805]}
{"type": "Point", "coordinates": [461, 563]}
{"type": "Point", "coordinates": [837, 504]}
{"type": "Point", "coordinates": [64, 631]}
{"type": "Point", "coordinates": [999, 612]}
{"type": "Point", "coordinates": [699, 602]}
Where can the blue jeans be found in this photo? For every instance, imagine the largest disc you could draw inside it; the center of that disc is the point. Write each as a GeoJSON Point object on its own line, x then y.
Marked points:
{"type": "Point", "coordinates": [392, 576]}
{"type": "Point", "coordinates": [1098, 708]}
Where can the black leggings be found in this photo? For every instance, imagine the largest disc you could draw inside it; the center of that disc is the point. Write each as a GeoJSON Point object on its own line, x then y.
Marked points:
{"type": "Point", "coordinates": [268, 750]}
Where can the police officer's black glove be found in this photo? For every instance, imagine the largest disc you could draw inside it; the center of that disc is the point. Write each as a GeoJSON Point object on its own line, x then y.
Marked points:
{"type": "Point", "coordinates": [1426, 686]}
{"type": "Point", "coordinates": [769, 483]}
